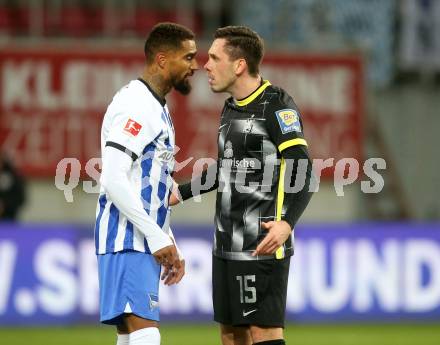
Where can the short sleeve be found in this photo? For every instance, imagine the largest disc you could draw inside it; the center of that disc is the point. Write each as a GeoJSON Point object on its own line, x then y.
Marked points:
{"type": "Point", "coordinates": [284, 125]}
{"type": "Point", "coordinates": [133, 130]}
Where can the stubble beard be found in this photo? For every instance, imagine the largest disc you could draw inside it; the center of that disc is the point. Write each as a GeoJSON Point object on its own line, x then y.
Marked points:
{"type": "Point", "coordinates": [182, 86]}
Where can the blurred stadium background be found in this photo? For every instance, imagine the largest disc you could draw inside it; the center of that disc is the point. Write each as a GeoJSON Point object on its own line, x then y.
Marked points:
{"type": "Point", "coordinates": [366, 76]}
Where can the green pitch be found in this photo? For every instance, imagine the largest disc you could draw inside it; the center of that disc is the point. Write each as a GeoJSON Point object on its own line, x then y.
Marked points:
{"type": "Point", "coordinates": [191, 334]}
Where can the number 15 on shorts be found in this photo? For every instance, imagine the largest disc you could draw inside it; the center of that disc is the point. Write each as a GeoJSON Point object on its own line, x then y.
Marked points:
{"type": "Point", "coordinates": [248, 294]}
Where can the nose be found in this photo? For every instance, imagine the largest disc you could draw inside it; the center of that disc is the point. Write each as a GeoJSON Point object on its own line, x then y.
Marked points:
{"type": "Point", "coordinates": [206, 66]}
{"type": "Point", "coordinates": [195, 65]}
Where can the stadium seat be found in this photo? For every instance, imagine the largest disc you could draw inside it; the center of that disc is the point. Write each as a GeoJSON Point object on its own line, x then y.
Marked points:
{"type": "Point", "coordinates": [5, 19]}
{"type": "Point", "coordinates": [74, 21]}
{"type": "Point", "coordinates": [95, 20]}
{"type": "Point", "coordinates": [20, 20]}
{"type": "Point", "coordinates": [145, 20]}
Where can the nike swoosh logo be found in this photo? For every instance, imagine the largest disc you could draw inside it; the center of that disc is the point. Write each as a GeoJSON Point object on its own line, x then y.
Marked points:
{"type": "Point", "coordinates": [246, 313]}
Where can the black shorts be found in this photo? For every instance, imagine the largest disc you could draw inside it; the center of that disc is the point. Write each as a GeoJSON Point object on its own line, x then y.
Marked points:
{"type": "Point", "coordinates": [250, 292]}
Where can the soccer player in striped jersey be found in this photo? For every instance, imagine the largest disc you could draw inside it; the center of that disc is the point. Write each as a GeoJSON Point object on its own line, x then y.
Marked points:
{"type": "Point", "coordinates": [258, 177]}
{"type": "Point", "coordinates": [132, 232]}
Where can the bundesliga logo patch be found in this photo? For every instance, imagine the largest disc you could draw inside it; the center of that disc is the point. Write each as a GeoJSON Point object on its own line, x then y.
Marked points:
{"type": "Point", "coordinates": [132, 127]}
{"type": "Point", "coordinates": [288, 120]}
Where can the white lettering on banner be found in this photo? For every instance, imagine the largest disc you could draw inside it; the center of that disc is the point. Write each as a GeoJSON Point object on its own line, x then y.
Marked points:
{"type": "Point", "coordinates": [45, 96]}
{"type": "Point", "coordinates": [193, 293]}
{"type": "Point", "coordinates": [364, 274]}
{"type": "Point", "coordinates": [18, 91]}
{"type": "Point", "coordinates": [15, 84]}
{"type": "Point", "coordinates": [90, 85]}
{"type": "Point", "coordinates": [55, 262]}
{"type": "Point", "coordinates": [324, 89]}
{"type": "Point", "coordinates": [356, 275]}
{"type": "Point", "coordinates": [324, 296]}
{"type": "Point", "coordinates": [41, 140]}
{"type": "Point", "coordinates": [88, 278]}
{"type": "Point", "coordinates": [421, 255]}
{"type": "Point", "coordinates": [297, 296]}
{"type": "Point", "coordinates": [377, 276]}
{"type": "Point", "coordinates": [76, 85]}
{"type": "Point", "coordinates": [25, 302]}
{"type": "Point", "coordinates": [8, 256]}
{"type": "Point", "coordinates": [83, 85]}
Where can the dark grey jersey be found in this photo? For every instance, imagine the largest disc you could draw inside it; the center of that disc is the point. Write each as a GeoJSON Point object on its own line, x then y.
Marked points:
{"type": "Point", "coordinates": [252, 135]}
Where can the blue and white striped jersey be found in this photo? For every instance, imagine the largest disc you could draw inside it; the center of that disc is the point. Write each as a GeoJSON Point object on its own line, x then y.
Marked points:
{"type": "Point", "coordinates": [138, 122]}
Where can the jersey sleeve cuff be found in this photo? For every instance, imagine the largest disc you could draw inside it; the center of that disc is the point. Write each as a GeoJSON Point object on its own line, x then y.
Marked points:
{"type": "Point", "coordinates": [292, 142]}
{"type": "Point", "coordinates": [158, 242]}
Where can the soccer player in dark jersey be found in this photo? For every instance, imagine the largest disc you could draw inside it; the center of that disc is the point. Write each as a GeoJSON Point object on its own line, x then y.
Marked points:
{"type": "Point", "coordinates": [262, 178]}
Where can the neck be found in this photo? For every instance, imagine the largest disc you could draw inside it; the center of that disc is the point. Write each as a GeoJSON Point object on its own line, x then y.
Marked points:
{"type": "Point", "coordinates": [245, 86]}
{"type": "Point", "coordinates": [156, 81]}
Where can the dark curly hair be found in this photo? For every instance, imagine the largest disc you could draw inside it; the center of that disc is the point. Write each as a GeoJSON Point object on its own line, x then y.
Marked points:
{"type": "Point", "coordinates": [165, 36]}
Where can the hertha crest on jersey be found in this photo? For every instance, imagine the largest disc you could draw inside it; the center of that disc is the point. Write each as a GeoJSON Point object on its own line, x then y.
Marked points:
{"type": "Point", "coordinates": [132, 127]}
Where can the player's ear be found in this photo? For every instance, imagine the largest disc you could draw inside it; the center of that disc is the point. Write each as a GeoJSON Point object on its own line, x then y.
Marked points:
{"type": "Point", "coordinates": [161, 59]}
{"type": "Point", "coordinates": [240, 66]}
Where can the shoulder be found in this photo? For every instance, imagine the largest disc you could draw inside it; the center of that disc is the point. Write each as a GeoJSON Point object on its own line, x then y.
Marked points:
{"type": "Point", "coordinates": [279, 103]}
{"type": "Point", "coordinates": [137, 100]}
{"type": "Point", "coordinates": [281, 109]}
{"type": "Point", "coordinates": [126, 92]}
{"type": "Point", "coordinates": [134, 109]}
{"type": "Point", "coordinates": [279, 99]}
{"type": "Point", "coordinates": [135, 94]}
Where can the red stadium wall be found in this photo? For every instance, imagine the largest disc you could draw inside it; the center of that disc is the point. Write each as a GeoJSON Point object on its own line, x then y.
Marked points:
{"type": "Point", "coordinates": [52, 103]}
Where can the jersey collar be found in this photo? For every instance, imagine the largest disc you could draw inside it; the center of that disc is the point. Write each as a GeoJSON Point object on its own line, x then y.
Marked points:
{"type": "Point", "coordinates": [253, 95]}
{"type": "Point", "coordinates": [161, 100]}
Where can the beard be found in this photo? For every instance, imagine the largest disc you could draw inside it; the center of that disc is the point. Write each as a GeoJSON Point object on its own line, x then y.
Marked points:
{"type": "Point", "coordinates": [182, 86]}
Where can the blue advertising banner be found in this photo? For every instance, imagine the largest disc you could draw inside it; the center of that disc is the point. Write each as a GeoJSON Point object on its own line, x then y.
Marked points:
{"type": "Point", "coordinates": [340, 272]}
